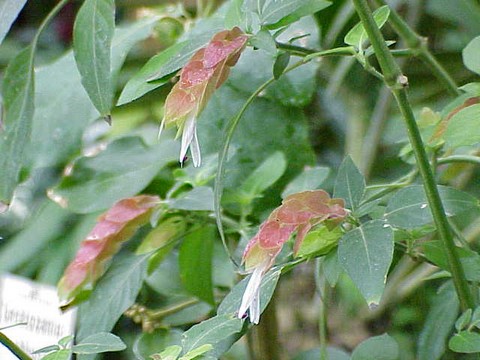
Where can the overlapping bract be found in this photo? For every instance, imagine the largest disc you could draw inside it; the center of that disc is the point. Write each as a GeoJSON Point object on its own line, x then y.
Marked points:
{"type": "Point", "coordinates": [298, 213]}
{"type": "Point", "coordinates": [115, 226]}
{"type": "Point", "coordinates": [200, 77]}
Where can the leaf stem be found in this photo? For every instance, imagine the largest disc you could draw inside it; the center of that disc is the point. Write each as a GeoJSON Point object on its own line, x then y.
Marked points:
{"type": "Point", "coordinates": [397, 82]}
{"type": "Point", "coordinates": [459, 158]}
{"type": "Point", "coordinates": [419, 45]}
{"type": "Point", "coordinates": [14, 349]}
{"type": "Point", "coordinates": [231, 126]}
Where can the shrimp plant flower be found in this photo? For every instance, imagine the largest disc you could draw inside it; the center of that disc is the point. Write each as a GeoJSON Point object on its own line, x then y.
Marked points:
{"type": "Point", "coordinates": [205, 72]}
{"type": "Point", "coordinates": [298, 213]}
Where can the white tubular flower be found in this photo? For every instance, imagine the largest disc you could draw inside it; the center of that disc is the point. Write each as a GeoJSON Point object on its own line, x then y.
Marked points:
{"type": "Point", "coordinates": [251, 296]}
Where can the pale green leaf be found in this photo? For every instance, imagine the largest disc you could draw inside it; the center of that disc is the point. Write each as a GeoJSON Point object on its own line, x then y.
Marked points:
{"type": "Point", "coordinates": [382, 347]}
{"type": "Point", "coordinates": [139, 84]}
{"type": "Point", "coordinates": [357, 35]}
{"type": "Point", "coordinates": [265, 175]}
{"type": "Point", "coordinates": [263, 40]}
{"type": "Point", "coordinates": [438, 324]}
{"type": "Point", "coordinates": [471, 55]}
{"type": "Point", "coordinates": [408, 208]}
{"type": "Point", "coordinates": [366, 254]}
{"type": "Point", "coordinates": [310, 179]}
{"type": "Point", "coordinates": [195, 261]}
{"type": "Point", "coordinates": [192, 354]}
{"type": "Point", "coordinates": [63, 354]}
{"type": "Point", "coordinates": [18, 90]}
{"type": "Point", "coordinates": [198, 199]}
{"type": "Point", "coordinates": [465, 342]}
{"type": "Point", "coordinates": [46, 223]}
{"type": "Point", "coordinates": [122, 170]}
{"type": "Point", "coordinates": [463, 129]}
{"type": "Point", "coordinates": [92, 40]}
{"type": "Point", "coordinates": [114, 293]}
{"type": "Point", "coordinates": [212, 331]}
{"type": "Point", "coordinates": [99, 343]}
{"type": "Point", "coordinates": [349, 184]}
{"type": "Point", "coordinates": [62, 107]}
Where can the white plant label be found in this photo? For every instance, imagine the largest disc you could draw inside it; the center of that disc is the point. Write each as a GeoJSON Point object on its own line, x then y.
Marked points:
{"type": "Point", "coordinates": [37, 306]}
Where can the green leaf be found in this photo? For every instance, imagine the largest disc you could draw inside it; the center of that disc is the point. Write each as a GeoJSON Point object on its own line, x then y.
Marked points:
{"type": "Point", "coordinates": [349, 184]}
{"type": "Point", "coordinates": [212, 331]}
{"type": "Point", "coordinates": [382, 347]}
{"type": "Point", "coordinates": [46, 224]}
{"type": "Point", "coordinates": [170, 353]}
{"type": "Point", "coordinates": [280, 64]}
{"type": "Point", "coordinates": [114, 293]}
{"type": "Point", "coordinates": [195, 261]}
{"type": "Point", "coordinates": [62, 107]}
{"type": "Point", "coordinates": [331, 268]}
{"type": "Point", "coordinates": [357, 35]}
{"type": "Point", "coordinates": [99, 343]}
{"type": "Point", "coordinates": [438, 324]}
{"type": "Point", "coordinates": [192, 354]}
{"type": "Point", "coordinates": [18, 86]}
{"type": "Point", "coordinates": [471, 55]}
{"type": "Point", "coordinates": [475, 321]}
{"type": "Point", "coordinates": [235, 16]}
{"type": "Point", "coordinates": [154, 342]}
{"type": "Point", "coordinates": [122, 170]}
{"type": "Point", "coordinates": [435, 252]}
{"type": "Point", "coordinates": [408, 208]}
{"type": "Point", "coordinates": [163, 236]}
{"type": "Point", "coordinates": [305, 8]}
{"type": "Point", "coordinates": [272, 12]}
{"type": "Point", "coordinates": [9, 10]}
{"type": "Point", "coordinates": [184, 52]}
{"type": "Point", "coordinates": [46, 349]}
{"type": "Point", "coordinates": [139, 84]}
{"type": "Point", "coordinates": [231, 302]}
{"type": "Point", "coordinates": [92, 40]}
{"type": "Point", "coordinates": [463, 320]}
{"type": "Point", "coordinates": [264, 176]}
{"type": "Point", "coordinates": [295, 88]}
{"type": "Point", "coordinates": [310, 179]}
{"type": "Point", "coordinates": [463, 129]}
{"type": "Point", "coordinates": [198, 199]}
{"type": "Point", "coordinates": [319, 242]}
{"type": "Point", "coordinates": [366, 253]}
{"type": "Point", "coordinates": [465, 342]}
{"type": "Point", "coordinates": [63, 354]}
{"type": "Point", "coordinates": [314, 354]}
{"type": "Point", "coordinates": [263, 40]}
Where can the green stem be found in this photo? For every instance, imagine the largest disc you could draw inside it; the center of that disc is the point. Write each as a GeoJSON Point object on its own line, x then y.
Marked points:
{"type": "Point", "coordinates": [420, 46]}
{"type": "Point", "coordinates": [263, 338]}
{"type": "Point", "coordinates": [14, 349]}
{"type": "Point", "coordinates": [459, 158]}
{"type": "Point", "coordinates": [397, 83]}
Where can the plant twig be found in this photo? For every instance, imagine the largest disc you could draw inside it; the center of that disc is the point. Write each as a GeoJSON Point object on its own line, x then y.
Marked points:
{"type": "Point", "coordinates": [14, 349]}
{"type": "Point", "coordinates": [397, 82]}
{"type": "Point", "coordinates": [420, 46]}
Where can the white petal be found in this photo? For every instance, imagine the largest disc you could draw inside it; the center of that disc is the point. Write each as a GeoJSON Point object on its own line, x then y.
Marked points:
{"type": "Point", "coordinates": [255, 308]}
{"type": "Point", "coordinates": [162, 126]}
{"type": "Point", "coordinates": [251, 296]}
{"type": "Point", "coordinates": [195, 149]}
{"type": "Point", "coordinates": [187, 136]}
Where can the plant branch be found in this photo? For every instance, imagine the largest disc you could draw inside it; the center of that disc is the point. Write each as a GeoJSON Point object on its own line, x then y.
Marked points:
{"type": "Point", "coordinates": [459, 158]}
{"type": "Point", "coordinates": [420, 46]}
{"type": "Point", "coordinates": [14, 349]}
{"type": "Point", "coordinates": [397, 82]}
